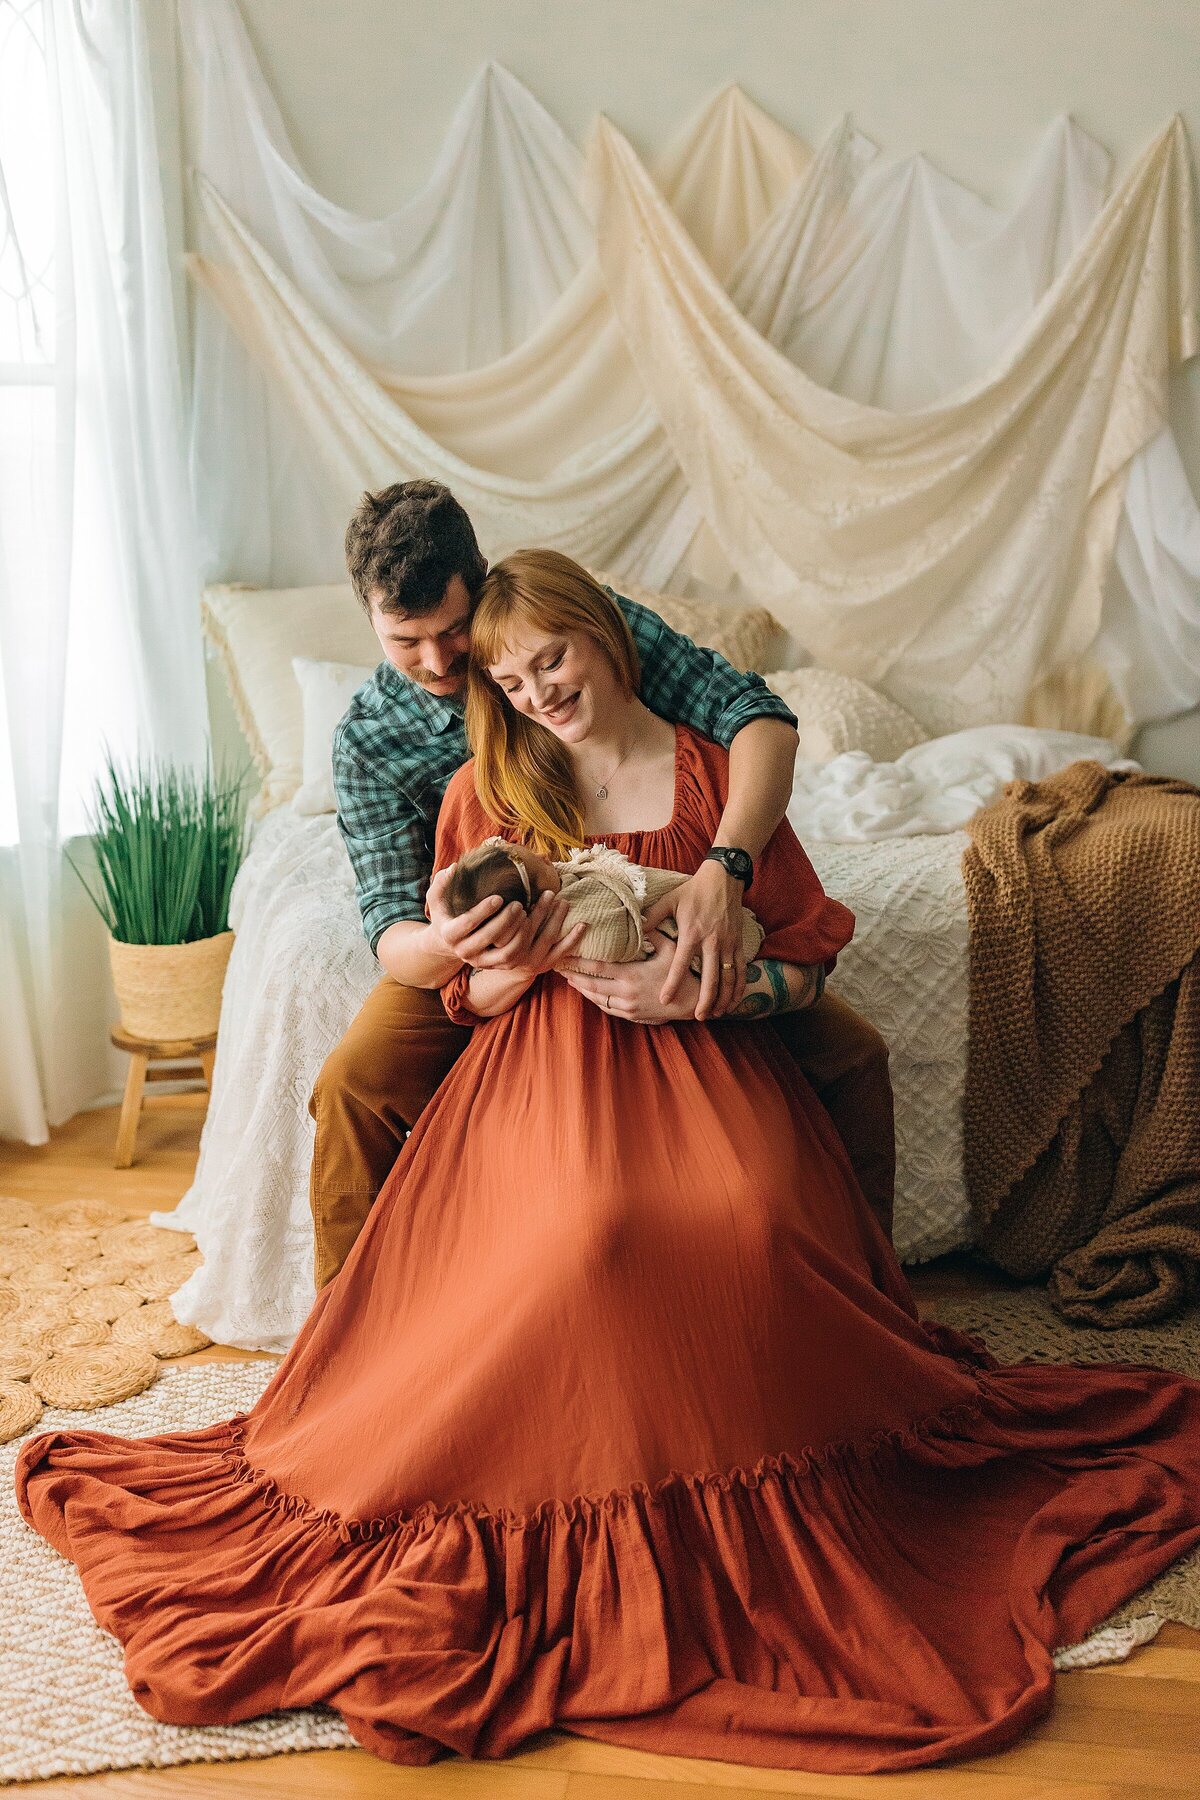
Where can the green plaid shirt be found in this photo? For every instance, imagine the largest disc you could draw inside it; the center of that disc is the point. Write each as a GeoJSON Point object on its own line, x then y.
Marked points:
{"type": "Point", "coordinates": [397, 747]}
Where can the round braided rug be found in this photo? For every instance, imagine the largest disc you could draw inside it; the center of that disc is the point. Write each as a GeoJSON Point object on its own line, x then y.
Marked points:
{"type": "Point", "coordinates": [20, 1408]}
{"type": "Point", "coordinates": [54, 1276]}
{"type": "Point", "coordinates": [15, 1212]}
{"type": "Point", "coordinates": [72, 1334]}
{"type": "Point", "coordinates": [103, 1271]}
{"type": "Point", "coordinates": [154, 1327]}
{"type": "Point", "coordinates": [22, 1243]}
{"type": "Point", "coordinates": [165, 1275]}
{"type": "Point", "coordinates": [138, 1241]}
{"type": "Point", "coordinates": [97, 1375]}
{"type": "Point", "coordinates": [84, 1215]}
{"type": "Point", "coordinates": [106, 1303]}
{"type": "Point", "coordinates": [69, 1273]}
{"type": "Point", "coordinates": [18, 1359]}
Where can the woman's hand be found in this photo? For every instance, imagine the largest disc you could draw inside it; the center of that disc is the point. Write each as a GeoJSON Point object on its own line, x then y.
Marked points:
{"type": "Point", "coordinates": [634, 990]}
{"type": "Point", "coordinates": [708, 911]}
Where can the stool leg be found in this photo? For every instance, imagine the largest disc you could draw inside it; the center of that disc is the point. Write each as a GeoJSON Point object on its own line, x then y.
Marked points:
{"type": "Point", "coordinates": [131, 1107]}
{"type": "Point", "coordinates": [207, 1059]}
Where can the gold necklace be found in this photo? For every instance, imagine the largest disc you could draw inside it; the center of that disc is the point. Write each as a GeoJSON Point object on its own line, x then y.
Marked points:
{"type": "Point", "coordinates": [602, 791]}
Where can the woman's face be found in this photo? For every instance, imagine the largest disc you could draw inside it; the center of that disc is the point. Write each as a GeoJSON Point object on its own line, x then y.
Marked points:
{"type": "Point", "coordinates": [562, 680]}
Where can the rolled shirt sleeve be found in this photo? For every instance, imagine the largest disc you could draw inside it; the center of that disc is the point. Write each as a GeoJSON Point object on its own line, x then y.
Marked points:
{"type": "Point", "coordinates": [693, 686]}
{"type": "Point", "coordinates": [387, 840]}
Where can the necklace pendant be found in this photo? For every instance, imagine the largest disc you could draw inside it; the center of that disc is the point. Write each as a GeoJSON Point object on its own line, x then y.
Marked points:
{"type": "Point", "coordinates": [602, 793]}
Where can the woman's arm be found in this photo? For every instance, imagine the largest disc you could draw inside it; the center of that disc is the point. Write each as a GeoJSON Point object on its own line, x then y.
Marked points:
{"type": "Point", "coordinates": [707, 909]}
{"type": "Point", "coordinates": [633, 991]}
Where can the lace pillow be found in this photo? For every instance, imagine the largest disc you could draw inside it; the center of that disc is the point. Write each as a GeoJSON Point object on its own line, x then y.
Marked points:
{"type": "Point", "coordinates": [838, 713]}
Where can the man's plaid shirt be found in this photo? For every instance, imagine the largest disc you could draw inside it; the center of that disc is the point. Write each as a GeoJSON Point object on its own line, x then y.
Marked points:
{"type": "Point", "coordinates": [397, 747]}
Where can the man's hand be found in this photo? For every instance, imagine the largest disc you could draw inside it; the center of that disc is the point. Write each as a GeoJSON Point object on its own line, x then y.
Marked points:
{"type": "Point", "coordinates": [494, 936]}
{"type": "Point", "coordinates": [633, 991]}
{"type": "Point", "coordinates": [708, 912]}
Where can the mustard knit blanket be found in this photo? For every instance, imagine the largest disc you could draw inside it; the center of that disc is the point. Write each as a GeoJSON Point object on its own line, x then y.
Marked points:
{"type": "Point", "coordinates": [1082, 1106]}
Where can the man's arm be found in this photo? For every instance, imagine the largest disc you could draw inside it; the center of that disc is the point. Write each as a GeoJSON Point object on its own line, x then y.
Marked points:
{"type": "Point", "coordinates": [697, 687]}
{"type": "Point", "coordinates": [633, 990]}
{"type": "Point", "coordinates": [504, 943]}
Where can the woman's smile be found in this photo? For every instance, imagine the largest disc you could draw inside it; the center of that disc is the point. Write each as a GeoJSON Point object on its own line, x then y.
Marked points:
{"type": "Point", "coordinates": [562, 710]}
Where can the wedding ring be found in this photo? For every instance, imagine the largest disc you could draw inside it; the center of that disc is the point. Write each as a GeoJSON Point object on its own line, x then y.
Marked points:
{"type": "Point", "coordinates": [608, 1001]}
{"type": "Point", "coordinates": [727, 965]}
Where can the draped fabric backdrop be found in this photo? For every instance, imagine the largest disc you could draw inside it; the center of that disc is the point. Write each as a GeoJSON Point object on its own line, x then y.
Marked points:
{"type": "Point", "coordinates": [931, 435]}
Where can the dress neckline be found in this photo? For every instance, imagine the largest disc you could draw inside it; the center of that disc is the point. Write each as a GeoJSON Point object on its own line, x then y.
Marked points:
{"type": "Point", "coordinates": [604, 837]}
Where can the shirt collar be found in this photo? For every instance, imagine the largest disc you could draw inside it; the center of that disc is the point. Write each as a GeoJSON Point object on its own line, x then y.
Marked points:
{"type": "Point", "coordinates": [434, 711]}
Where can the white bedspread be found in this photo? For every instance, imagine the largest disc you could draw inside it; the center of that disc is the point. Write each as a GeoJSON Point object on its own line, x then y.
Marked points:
{"type": "Point", "coordinates": [301, 968]}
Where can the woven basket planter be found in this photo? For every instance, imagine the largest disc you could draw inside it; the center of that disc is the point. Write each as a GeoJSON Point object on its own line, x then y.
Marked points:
{"type": "Point", "coordinates": [169, 991]}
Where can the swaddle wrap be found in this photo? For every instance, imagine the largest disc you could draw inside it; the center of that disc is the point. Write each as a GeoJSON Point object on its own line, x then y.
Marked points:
{"type": "Point", "coordinates": [610, 893]}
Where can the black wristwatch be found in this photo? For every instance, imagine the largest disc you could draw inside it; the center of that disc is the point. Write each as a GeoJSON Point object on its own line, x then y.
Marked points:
{"type": "Point", "coordinates": [734, 862]}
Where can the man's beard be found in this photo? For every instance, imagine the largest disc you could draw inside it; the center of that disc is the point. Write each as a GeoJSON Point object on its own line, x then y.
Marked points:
{"type": "Point", "coordinates": [425, 679]}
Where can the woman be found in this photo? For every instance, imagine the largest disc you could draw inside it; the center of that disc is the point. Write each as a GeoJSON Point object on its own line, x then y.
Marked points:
{"type": "Point", "coordinates": [620, 1417]}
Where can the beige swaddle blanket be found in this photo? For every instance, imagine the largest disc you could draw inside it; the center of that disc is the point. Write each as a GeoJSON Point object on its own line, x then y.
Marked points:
{"type": "Point", "coordinates": [607, 891]}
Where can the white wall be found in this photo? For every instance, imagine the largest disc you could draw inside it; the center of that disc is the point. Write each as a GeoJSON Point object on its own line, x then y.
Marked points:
{"type": "Point", "coordinates": [367, 88]}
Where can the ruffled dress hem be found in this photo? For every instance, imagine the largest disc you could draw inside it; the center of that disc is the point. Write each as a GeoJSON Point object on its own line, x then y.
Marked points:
{"type": "Point", "coordinates": [709, 1615]}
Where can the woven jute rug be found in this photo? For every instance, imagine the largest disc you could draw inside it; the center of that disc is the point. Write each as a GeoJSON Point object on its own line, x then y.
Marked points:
{"type": "Point", "coordinates": [65, 1708]}
{"type": "Point", "coordinates": [85, 1309]}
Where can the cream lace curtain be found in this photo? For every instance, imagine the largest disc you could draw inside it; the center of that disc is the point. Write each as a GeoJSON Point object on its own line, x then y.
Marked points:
{"type": "Point", "coordinates": [921, 429]}
{"type": "Point", "coordinates": [99, 635]}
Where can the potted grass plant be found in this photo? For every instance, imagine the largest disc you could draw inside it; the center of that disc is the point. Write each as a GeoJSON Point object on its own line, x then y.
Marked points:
{"type": "Point", "coordinates": [167, 844]}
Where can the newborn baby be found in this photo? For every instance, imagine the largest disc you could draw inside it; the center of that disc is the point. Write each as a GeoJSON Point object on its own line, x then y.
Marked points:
{"type": "Point", "coordinates": [600, 885]}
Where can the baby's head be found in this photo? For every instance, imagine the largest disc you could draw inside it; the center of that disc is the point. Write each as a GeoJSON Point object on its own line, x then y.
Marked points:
{"type": "Point", "coordinates": [510, 870]}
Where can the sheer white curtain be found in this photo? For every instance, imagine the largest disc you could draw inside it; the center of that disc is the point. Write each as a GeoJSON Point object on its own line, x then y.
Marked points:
{"type": "Point", "coordinates": [99, 629]}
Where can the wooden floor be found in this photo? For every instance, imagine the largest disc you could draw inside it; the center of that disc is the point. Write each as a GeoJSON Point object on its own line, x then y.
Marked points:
{"type": "Point", "coordinates": [1127, 1733]}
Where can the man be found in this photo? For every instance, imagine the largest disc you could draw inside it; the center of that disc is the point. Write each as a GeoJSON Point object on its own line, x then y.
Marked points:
{"type": "Point", "coordinates": [417, 568]}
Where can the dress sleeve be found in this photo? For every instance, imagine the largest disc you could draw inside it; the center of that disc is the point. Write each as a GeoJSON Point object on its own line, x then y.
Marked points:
{"type": "Point", "coordinates": [803, 925]}
{"type": "Point", "coordinates": [462, 823]}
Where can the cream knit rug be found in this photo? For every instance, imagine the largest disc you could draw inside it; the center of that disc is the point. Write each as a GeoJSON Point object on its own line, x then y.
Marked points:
{"type": "Point", "coordinates": [64, 1705]}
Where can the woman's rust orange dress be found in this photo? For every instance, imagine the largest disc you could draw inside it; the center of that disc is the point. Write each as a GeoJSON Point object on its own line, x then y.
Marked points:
{"type": "Point", "coordinates": [620, 1419]}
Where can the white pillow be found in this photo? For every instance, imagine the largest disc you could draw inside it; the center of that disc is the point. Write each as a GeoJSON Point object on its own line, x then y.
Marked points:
{"type": "Point", "coordinates": [326, 690]}
{"type": "Point", "coordinates": [837, 713]}
{"type": "Point", "coordinates": [256, 633]}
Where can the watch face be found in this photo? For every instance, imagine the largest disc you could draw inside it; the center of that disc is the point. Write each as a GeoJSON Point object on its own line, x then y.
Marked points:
{"type": "Point", "coordinates": [737, 862]}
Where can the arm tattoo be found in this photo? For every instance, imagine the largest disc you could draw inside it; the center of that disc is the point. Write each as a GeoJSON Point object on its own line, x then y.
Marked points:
{"type": "Point", "coordinates": [759, 1005]}
{"type": "Point", "coordinates": [779, 987]}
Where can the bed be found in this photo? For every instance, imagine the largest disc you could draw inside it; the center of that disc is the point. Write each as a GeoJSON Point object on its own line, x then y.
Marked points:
{"type": "Point", "coordinates": [875, 804]}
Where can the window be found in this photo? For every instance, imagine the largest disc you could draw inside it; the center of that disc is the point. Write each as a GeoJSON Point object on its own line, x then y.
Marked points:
{"type": "Point", "coordinates": [27, 367]}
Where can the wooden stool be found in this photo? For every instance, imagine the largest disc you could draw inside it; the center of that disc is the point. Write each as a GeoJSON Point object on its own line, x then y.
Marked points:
{"type": "Point", "coordinates": [144, 1051]}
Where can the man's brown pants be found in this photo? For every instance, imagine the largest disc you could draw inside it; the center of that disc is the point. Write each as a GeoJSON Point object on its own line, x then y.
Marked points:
{"type": "Point", "coordinates": [401, 1047]}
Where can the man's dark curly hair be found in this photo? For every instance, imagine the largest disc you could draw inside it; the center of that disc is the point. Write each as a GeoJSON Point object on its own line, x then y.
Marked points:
{"type": "Point", "coordinates": [405, 543]}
